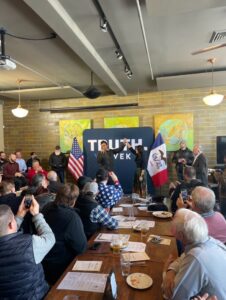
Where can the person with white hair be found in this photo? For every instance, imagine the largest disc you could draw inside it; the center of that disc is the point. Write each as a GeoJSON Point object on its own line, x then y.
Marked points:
{"type": "Point", "coordinates": [200, 269]}
{"type": "Point", "coordinates": [203, 202]}
{"type": "Point", "coordinates": [200, 165]}
{"type": "Point", "coordinates": [92, 214]}
{"type": "Point", "coordinates": [53, 185]}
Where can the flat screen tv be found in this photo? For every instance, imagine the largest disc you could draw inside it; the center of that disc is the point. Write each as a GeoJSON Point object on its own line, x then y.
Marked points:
{"type": "Point", "coordinates": [221, 149]}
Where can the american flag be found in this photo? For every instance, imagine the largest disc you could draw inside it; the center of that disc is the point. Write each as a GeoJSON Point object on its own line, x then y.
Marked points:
{"type": "Point", "coordinates": [76, 160]}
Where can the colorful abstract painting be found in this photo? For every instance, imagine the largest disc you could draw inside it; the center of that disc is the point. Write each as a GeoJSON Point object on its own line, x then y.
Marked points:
{"type": "Point", "coordinates": [175, 128]}
{"type": "Point", "coordinates": [70, 129]}
{"type": "Point", "coordinates": [121, 122]}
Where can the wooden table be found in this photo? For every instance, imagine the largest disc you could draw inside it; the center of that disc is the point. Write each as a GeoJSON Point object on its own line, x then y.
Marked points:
{"type": "Point", "coordinates": [157, 253]}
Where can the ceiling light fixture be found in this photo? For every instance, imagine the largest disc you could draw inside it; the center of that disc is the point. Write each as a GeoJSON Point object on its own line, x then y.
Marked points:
{"type": "Point", "coordinates": [128, 72]}
{"type": "Point", "coordinates": [19, 112]}
{"type": "Point", "coordinates": [213, 98]}
{"type": "Point", "coordinates": [105, 27]}
{"type": "Point", "coordinates": [118, 54]}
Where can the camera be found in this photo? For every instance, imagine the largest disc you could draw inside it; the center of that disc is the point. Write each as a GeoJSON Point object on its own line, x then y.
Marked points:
{"type": "Point", "coordinates": [28, 201]}
{"type": "Point", "coordinates": [184, 195]}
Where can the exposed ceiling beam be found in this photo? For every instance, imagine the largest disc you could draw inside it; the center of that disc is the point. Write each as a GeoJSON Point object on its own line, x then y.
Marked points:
{"type": "Point", "coordinates": [55, 15]}
{"type": "Point", "coordinates": [88, 108]}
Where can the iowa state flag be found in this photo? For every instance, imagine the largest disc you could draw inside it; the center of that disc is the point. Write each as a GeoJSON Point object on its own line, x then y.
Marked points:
{"type": "Point", "coordinates": [157, 163]}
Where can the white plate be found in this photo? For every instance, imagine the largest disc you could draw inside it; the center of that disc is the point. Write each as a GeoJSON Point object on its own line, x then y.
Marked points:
{"type": "Point", "coordinates": [162, 214]}
{"type": "Point", "coordinates": [139, 281]}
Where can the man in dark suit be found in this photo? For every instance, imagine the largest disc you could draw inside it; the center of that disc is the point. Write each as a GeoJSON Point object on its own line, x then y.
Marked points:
{"type": "Point", "coordinates": [200, 165]}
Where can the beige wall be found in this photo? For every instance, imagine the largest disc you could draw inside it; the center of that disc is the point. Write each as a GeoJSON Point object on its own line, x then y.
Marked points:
{"type": "Point", "coordinates": [40, 131]}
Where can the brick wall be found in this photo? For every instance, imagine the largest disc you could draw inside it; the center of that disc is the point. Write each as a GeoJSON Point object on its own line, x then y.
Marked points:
{"type": "Point", "coordinates": [40, 130]}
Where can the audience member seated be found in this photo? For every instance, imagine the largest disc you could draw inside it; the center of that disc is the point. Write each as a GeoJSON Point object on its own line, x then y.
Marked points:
{"type": "Point", "coordinates": [3, 160]}
{"type": "Point", "coordinates": [189, 183]}
{"type": "Point", "coordinates": [68, 229]}
{"type": "Point", "coordinates": [30, 160]}
{"type": "Point", "coordinates": [92, 214]}
{"type": "Point", "coordinates": [200, 269]}
{"type": "Point", "coordinates": [22, 275]}
{"type": "Point", "coordinates": [54, 185]}
{"type": "Point", "coordinates": [11, 172]}
{"type": "Point", "coordinates": [108, 195]}
{"type": "Point", "coordinates": [8, 196]}
{"type": "Point", "coordinates": [21, 162]}
{"type": "Point", "coordinates": [36, 169]}
{"type": "Point", "coordinates": [39, 189]}
{"type": "Point", "coordinates": [203, 201]}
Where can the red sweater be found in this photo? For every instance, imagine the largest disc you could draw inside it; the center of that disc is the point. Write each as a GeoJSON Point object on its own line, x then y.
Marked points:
{"type": "Point", "coordinates": [31, 173]}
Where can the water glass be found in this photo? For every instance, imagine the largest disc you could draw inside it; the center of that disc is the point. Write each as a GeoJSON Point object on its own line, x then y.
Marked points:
{"type": "Point", "coordinates": [71, 297]}
{"type": "Point", "coordinates": [125, 266]}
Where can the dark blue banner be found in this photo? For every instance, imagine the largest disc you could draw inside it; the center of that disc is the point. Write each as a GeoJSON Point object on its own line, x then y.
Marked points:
{"type": "Point", "coordinates": [124, 165]}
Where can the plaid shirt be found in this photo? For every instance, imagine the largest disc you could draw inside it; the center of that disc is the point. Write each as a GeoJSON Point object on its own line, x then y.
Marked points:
{"type": "Point", "coordinates": [99, 215]}
{"type": "Point", "coordinates": [109, 195]}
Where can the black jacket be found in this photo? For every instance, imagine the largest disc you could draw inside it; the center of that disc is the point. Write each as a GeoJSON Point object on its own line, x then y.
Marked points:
{"type": "Point", "coordinates": [105, 160]}
{"type": "Point", "coordinates": [57, 162]}
{"type": "Point", "coordinates": [12, 201]}
{"type": "Point", "coordinates": [201, 168]}
{"type": "Point", "coordinates": [20, 276]}
{"type": "Point", "coordinates": [85, 204]}
{"type": "Point", "coordinates": [70, 239]}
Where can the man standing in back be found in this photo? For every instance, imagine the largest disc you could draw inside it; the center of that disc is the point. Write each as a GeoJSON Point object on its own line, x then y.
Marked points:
{"type": "Point", "coordinates": [200, 165]}
{"type": "Point", "coordinates": [58, 162]}
{"type": "Point", "coordinates": [181, 158]}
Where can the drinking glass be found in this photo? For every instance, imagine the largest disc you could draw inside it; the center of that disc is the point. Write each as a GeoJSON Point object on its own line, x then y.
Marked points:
{"type": "Point", "coordinates": [125, 266]}
{"type": "Point", "coordinates": [116, 244]}
{"type": "Point", "coordinates": [144, 230]}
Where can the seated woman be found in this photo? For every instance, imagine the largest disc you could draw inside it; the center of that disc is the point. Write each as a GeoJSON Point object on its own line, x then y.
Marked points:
{"type": "Point", "coordinates": [36, 169]}
{"type": "Point", "coordinates": [39, 189]}
{"type": "Point", "coordinates": [92, 214]}
{"type": "Point", "coordinates": [68, 229]}
{"type": "Point", "coordinates": [108, 195]}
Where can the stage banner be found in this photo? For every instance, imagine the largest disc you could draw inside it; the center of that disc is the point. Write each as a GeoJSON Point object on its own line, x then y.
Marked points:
{"type": "Point", "coordinates": [124, 164]}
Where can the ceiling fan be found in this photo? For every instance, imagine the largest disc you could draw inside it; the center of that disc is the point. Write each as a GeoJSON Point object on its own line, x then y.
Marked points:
{"type": "Point", "coordinates": [210, 48]}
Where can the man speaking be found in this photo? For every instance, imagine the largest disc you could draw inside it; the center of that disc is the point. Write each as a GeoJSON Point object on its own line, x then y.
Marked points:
{"type": "Point", "coordinates": [105, 157]}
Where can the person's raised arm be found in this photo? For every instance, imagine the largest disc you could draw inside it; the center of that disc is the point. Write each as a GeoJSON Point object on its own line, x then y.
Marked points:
{"type": "Point", "coordinates": [45, 239]}
{"type": "Point", "coordinates": [121, 146]}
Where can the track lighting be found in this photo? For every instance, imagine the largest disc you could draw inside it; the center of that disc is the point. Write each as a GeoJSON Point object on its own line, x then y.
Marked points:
{"type": "Point", "coordinates": [118, 54]}
{"type": "Point", "coordinates": [128, 72]}
{"type": "Point", "coordinates": [103, 25]}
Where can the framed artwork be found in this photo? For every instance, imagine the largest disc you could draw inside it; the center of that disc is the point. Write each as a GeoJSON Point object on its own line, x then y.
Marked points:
{"type": "Point", "coordinates": [121, 122]}
{"type": "Point", "coordinates": [70, 129]}
{"type": "Point", "coordinates": [175, 128]}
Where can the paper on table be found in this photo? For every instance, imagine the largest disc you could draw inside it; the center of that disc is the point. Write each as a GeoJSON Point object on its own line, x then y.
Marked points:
{"type": "Point", "coordinates": [126, 205]}
{"type": "Point", "coordinates": [135, 256]}
{"type": "Point", "coordinates": [108, 237]}
{"type": "Point", "coordinates": [135, 247]}
{"type": "Point", "coordinates": [163, 241]}
{"type": "Point", "coordinates": [138, 223]}
{"type": "Point", "coordinates": [119, 218]}
{"type": "Point", "coordinates": [143, 208]}
{"type": "Point", "coordinates": [88, 282]}
{"type": "Point", "coordinates": [117, 209]}
{"type": "Point", "coordinates": [82, 265]}
{"type": "Point", "coordinates": [125, 224]}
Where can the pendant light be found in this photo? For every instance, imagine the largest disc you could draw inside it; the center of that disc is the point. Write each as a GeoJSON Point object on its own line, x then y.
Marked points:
{"type": "Point", "coordinates": [19, 112]}
{"type": "Point", "coordinates": [213, 98]}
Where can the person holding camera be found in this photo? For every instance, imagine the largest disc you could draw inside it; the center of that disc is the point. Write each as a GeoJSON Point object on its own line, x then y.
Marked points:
{"type": "Point", "coordinates": [22, 275]}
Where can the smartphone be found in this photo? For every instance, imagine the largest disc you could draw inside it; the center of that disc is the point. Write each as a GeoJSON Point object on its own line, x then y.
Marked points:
{"type": "Point", "coordinates": [184, 194]}
{"type": "Point", "coordinates": [95, 246]}
{"type": "Point", "coordinates": [28, 201]}
{"type": "Point", "coordinates": [110, 292]}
